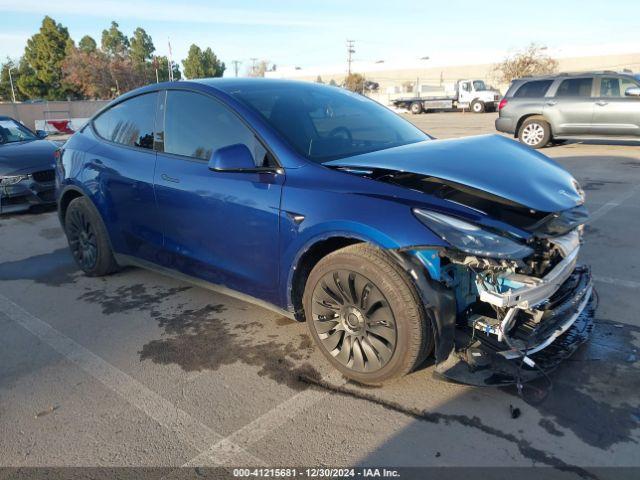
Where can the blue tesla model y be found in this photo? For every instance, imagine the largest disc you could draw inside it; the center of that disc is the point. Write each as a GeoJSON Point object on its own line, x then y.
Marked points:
{"type": "Point", "coordinates": [327, 207]}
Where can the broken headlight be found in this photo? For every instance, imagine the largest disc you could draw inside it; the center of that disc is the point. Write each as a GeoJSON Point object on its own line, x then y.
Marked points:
{"type": "Point", "coordinates": [12, 179]}
{"type": "Point", "coordinates": [470, 238]}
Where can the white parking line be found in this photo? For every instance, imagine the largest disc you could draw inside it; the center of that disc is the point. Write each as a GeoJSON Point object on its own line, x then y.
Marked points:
{"type": "Point", "coordinates": [185, 427]}
{"type": "Point", "coordinates": [258, 428]}
{"type": "Point", "coordinates": [616, 202]}
{"type": "Point", "coordinates": [617, 282]}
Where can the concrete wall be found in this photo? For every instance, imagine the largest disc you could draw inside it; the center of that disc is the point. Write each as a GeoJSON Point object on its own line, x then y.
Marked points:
{"type": "Point", "coordinates": [28, 113]}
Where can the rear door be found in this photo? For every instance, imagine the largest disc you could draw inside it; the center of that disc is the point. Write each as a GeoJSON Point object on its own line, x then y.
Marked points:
{"type": "Point", "coordinates": [222, 227]}
{"type": "Point", "coordinates": [570, 108]}
{"type": "Point", "coordinates": [615, 113]}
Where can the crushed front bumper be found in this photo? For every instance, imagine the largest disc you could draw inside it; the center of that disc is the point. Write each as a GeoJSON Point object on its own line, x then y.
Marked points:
{"type": "Point", "coordinates": [565, 321]}
{"type": "Point", "coordinates": [25, 194]}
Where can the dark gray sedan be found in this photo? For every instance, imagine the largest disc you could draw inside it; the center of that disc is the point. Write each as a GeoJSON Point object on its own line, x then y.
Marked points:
{"type": "Point", "coordinates": [27, 162]}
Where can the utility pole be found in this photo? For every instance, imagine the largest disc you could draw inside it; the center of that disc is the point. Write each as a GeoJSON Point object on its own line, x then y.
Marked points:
{"type": "Point", "coordinates": [253, 65]}
{"type": "Point", "coordinates": [13, 93]}
{"type": "Point", "coordinates": [236, 63]}
{"type": "Point", "coordinates": [350, 51]}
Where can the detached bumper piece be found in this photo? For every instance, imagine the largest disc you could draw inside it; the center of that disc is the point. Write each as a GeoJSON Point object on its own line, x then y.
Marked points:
{"type": "Point", "coordinates": [537, 339]}
{"type": "Point", "coordinates": [38, 189]}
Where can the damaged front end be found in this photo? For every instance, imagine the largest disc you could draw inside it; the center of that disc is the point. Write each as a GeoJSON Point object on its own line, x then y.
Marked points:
{"type": "Point", "coordinates": [507, 315]}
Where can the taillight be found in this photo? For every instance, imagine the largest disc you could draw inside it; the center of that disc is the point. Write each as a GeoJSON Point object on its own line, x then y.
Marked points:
{"type": "Point", "coordinates": [502, 104]}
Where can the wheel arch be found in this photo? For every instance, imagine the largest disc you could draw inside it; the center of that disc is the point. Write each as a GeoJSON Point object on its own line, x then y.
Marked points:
{"type": "Point", "coordinates": [309, 256]}
{"type": "Point", "coordinates": [69, 193]}
{"type": "Point", "coordinates": [527, 116]}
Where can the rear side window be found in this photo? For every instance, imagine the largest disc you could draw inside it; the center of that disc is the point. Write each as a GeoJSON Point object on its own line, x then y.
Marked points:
{"type": "Point", "coordinates": [130, 122]}
{"type": "Point", "coordinates": [575, 87]}
{"type": "Point", "coordinates": [196, 125]}
{"type": "Point", "coordinates": [535, 89]}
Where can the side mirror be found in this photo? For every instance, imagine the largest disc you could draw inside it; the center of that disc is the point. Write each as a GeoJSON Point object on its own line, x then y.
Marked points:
{"type": "Point", "coordinates": [632, 92]}
{"type": "Point", "coordinates": [41, 134]}
{"type": "Point", "coordinates": [235, 158]}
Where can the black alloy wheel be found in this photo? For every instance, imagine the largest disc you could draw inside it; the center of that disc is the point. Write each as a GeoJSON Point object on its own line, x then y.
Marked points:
{"type": "Point", "coordinates": [82, 239]}
{"type": "Point", "coordinates": [354, 321]}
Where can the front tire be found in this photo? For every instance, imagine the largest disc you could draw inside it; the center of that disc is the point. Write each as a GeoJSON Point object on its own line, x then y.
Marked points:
{"type": "Point", "coordinates": [477, 106]}
{"type": "Point", "coordinates": [535, 132]}
{"type": "Point", "coordinates": [365, 315]}
{"type": "Point", "coordinates": [88, 238]}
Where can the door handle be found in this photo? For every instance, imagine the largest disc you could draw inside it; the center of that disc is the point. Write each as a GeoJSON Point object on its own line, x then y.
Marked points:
{"type": "Point", "coordinates": [551, 103]}
{"type": "Point", "coordinates": [167, 178]}
{"type": "Point", "coordinates": [602, 103]}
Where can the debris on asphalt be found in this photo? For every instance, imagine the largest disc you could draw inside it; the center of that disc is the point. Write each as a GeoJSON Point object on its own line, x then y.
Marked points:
{"type": "Point", "coordinates": [515, 411]}
{"type": "Point", "coordinates": [49, 410]}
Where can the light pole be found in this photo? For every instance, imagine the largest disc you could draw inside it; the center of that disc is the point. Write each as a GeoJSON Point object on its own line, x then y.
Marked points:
{"type": "Point", "coordinates": [13, 93]}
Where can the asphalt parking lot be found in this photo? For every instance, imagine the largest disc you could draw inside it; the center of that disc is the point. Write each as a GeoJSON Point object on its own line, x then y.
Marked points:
{"type": "Point", "coordinates": [138, 369]}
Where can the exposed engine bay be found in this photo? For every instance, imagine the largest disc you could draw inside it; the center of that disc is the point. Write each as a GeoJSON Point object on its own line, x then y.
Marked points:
{"type": "Point", "coordinates": [507, 309]}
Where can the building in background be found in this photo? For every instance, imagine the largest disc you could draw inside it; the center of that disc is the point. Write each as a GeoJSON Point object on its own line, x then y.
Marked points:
{"type": "Point", "coordinates": [398, 77]}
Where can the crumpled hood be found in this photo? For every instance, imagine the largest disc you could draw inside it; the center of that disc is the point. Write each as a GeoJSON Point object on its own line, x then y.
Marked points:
{"type": "Point", "coordinates": [490, 163]}
{"type": "Point", "coordinates": [25, 157]}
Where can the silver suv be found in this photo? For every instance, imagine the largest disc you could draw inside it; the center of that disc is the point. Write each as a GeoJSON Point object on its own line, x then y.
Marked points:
{"type": "Point", "coordinates": [550, 109]}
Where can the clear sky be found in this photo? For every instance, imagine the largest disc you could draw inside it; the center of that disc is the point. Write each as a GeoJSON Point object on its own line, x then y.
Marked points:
{"type": "Point", "coordinates": [313, 32]}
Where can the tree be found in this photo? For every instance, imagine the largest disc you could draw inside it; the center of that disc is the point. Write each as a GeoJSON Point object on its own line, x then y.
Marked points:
{"type": "Point", "coordinates": [201, 64]}
{"type": "Point", "coordinates": [354, 82]}
{"type": "Point", "coordinates": [259, 69]}
{"type": "Point", "coordinates": [319, 79]}
{"type": "Point", "coordinates": [114, 42]}
{"type": "Point", "coordinates": [141, 46]}
{"type": "Point", "coordinates": [87, 44]}
{"type": "Point", "coordinates": [89, 73]}
{"type": "Point", "coordinates": [41, 64]}
{"type": "Point", "coordinates": [162, 64]}
{"type": "Point", "coordinates": [533, 60]}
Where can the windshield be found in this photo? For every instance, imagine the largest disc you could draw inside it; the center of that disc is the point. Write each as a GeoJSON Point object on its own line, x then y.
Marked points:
{"type": "Point", "coordinates": [479, 85]}
{"type": "Point", "coordinates": [11, 131]}
{"type": "Point", "coordinates": [327, 123]}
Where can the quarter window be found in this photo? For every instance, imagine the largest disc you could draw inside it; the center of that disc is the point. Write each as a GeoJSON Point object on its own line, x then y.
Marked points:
{"type": "Point", "coordinates": [575, 87]}
{"type": "Point", "coordinates": [534, 89]}
{"type": "Point", "coordinates": [130, 122]}
{"type": "Point", "coordinates": [197, 125]}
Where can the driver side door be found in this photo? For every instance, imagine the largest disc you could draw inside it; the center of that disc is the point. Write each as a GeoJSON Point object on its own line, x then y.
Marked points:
{"type": "Point", "coordinates": [222, 227]}
{"type": "Point", "coordinates": [616, 113]}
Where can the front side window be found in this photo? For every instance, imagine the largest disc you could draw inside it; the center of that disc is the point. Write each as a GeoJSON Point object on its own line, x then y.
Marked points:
{"type": "Point", "coordinates": [197, 125]}
{"type": "Point", "coordinates": [11, 132]}
{"type": "Point", "coordinates": [327, 123]}
{"type": "Point", "coordinates": [575, 87]}
{"type": "Point", "coordinates": [130, 122]}
{"type": "Point", "coordinates": [615, 87]}
{"type": "Point", "coordinates": [535, 89]}
{"type": "Point", "coordinates": [479, 85]}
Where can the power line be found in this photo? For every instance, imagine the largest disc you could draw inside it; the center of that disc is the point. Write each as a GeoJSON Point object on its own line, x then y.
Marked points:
{"type": "Point", "coordinates": [350, 51]}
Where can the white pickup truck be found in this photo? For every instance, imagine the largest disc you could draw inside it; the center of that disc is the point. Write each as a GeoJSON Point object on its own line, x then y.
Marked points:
{"type": "Point", "coordinates": [463, 94]}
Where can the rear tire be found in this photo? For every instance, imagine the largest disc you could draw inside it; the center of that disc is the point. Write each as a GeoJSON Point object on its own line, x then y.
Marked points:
{"type": "Point", "coordinates": [88, 238]}
{"type": "Point", "coordinates": [416, 108]}
{"type": "Point", "coordinates": [535, 132]}
{"type": "Point", "coordinates": [365, 315]}
{"type": "Point", "coordinates": [477, 106]}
